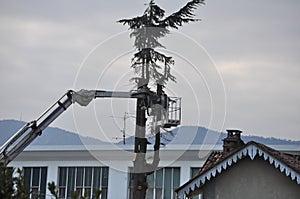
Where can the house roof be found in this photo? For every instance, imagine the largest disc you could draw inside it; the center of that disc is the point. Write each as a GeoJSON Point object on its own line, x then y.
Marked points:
{"type": "Point", "coordinates": [218, 162]}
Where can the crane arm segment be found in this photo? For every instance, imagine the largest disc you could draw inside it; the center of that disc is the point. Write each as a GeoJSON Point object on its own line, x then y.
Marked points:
{"type": "Point", "coordinates": [22, 138]}
{"type": "Point", "coordinates": [25, 136]}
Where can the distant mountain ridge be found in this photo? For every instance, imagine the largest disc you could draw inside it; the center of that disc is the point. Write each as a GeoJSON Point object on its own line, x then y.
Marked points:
{"type": "Point", "coordinates": [182, 135]}
{"type": "Point", "coordinates": [201, 135]}
{"type": "Point", "coordinates": [50, 136]}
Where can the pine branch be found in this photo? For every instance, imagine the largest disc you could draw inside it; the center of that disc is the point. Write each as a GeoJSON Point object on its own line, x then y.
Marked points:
{"type": "Point", "coordinates": [147, 30]}
{"type": "Point", "coordinates": [147, 37]}
{"type": "Point", "coordinates": [153, 12]}
{"type": "Point", "coordinates": [184, 15]}
{"type": "Point", "coordinates": [134, 23]}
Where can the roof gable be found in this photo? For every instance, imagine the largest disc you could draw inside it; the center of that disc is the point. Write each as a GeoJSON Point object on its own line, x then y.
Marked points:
{"type": "Point", "coordinates": [217, 163]}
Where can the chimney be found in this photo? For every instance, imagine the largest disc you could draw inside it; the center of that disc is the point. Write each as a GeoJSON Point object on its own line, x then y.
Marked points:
{"type": "Point", "coordinates": [232, 141]}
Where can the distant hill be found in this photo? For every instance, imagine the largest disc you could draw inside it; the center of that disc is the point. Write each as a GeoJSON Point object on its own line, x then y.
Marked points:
{"type": "Point", "coordinates": [50, 136]}
{"type": "Point", "coordinates": [201, 135]}
{"type": "Point", "coordinates": [180, 135]}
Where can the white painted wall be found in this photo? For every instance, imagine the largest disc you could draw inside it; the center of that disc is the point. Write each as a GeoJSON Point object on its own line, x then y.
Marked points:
{"type": "Point", "coordinates": [117, 181]}
{"type": "Point", "coordinates": [54, 157]}
{"type": "Point", "coordinates": [117, 184]}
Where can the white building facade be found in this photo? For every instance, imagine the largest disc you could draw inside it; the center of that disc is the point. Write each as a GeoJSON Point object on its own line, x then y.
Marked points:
{"type": "Point", "coordinates": [86, 169]}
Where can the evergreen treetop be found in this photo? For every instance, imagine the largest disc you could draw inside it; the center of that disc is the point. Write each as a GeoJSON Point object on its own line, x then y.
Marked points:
{"type": "Point", "coordinates": [148, 63]}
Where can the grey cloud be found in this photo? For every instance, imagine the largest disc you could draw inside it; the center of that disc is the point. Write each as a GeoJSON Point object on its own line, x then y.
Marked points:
{"type": "Point", "coordinates": [255, 45]}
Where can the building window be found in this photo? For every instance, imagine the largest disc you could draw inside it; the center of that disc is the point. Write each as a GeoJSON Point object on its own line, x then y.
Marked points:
{"type": "Point", "coordinates": [194, 172]}
{"type": "Point", "coordinates": [83, 180]}
{"type": "Point", "coordinates": [161, 184]}
{"type": "Point", "coordinates": [36, 179]}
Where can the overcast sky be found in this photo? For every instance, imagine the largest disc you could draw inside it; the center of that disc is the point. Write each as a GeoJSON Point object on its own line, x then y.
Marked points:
{"type": "Point", "coordinates": [236, 68]}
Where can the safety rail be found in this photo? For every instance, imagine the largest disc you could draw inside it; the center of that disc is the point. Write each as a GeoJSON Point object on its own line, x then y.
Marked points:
{"type": "Point", "coordinates": [174, 112]}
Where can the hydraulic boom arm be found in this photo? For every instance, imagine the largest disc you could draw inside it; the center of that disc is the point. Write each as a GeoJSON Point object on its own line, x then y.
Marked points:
{"type": "Point", "coordinates": [21, 139]}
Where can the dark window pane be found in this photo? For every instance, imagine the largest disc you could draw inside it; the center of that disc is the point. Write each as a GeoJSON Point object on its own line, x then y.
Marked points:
{"type": "Point", "coordinates": [84, 180]}
{"type": "Point", "coordinates": [158, 183]}
{"type": "Point", "coordinates": [150, 183]}
{"type": "Point", "coordinates": [87, 192]}
{"type": "Point", "coordinates": [96, 180]}
{"type": "Point", "coordinates": [88, 176]}
{"type": "Point", "coordinates": [167, 183]}
{"type": "Point", "coordinates": [79, 177]}
{"type": "Point", "coordinates": [43, 183]}
{"type": "Point", "coordinates": [149, 193]}
{"type": "Point", "coordinates": [158, 193]}
{"type": "Point", "coordinates": [62, 192]}
{"type": "Point", "coordinates": [27, 176]}
{"type": "Point", "coordinates": [62, 176]}
{"type": "Point", "coordinates": [195, 171]}
{"type": "Point", "coordinates": [35, 176]}
{"type": "Point", "coordinates": [71, 181]}
{"type": "Point", "coordinates": [34, 192]}
{"type": "Point", "coordinates": [79, 191]}
{"type": "Point", "coordinates": [104, 193]}
{"type": "Point", "coordinates": [150, 180]}
{"type": "Point", "coordinates": [104, 177]}
{"type": "Point", "coordinates": [35, 179]}
{"type": "Point", "coordinates": [159, 178]}
{"type": "Point", "coordinates": [176, 177]}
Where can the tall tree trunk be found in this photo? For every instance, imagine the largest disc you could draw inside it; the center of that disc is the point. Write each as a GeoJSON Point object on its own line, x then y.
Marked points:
{"type": "Point", "coordinates": [139, 184]}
